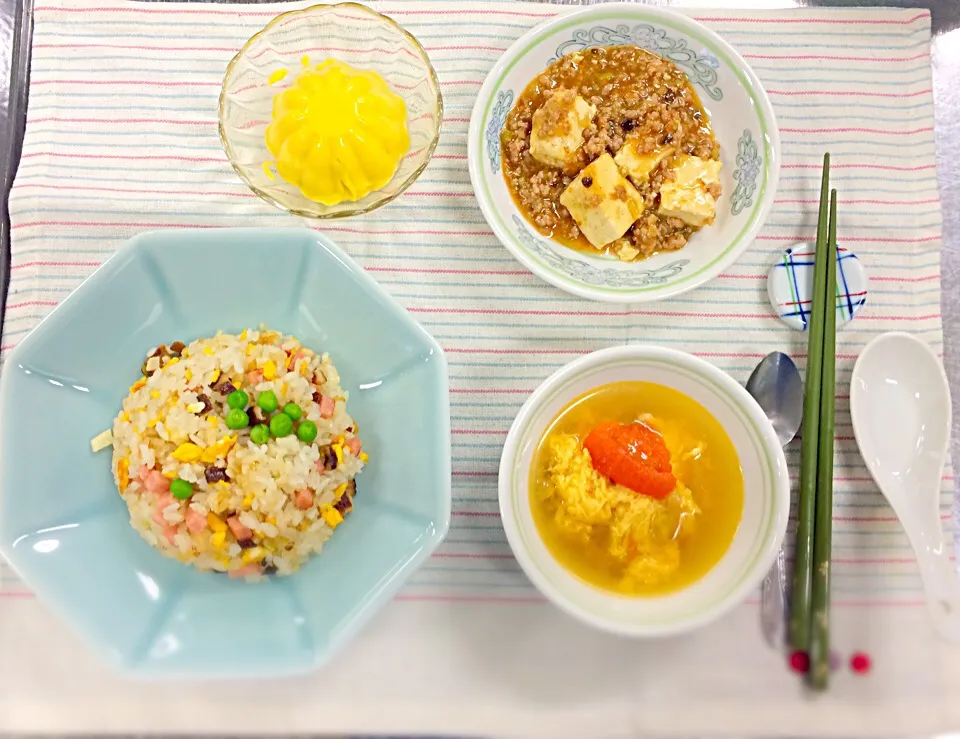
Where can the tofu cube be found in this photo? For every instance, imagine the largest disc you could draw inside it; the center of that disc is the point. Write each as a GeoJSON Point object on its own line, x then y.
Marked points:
{"type": "Point", "coordinates": [689, 170]}
{"type": "Point", "coordinates": [691, 204]}
{"type": "Point", "coordinates": [638, 166]}
{"type": "Point", "coordinates": [602, 202]}
{"type": "Point", "coordinates": [558, 126]}
{"type": "Point", "coordinates": [686, 196]}
{"type": "Point", "coordinates": [627, 253]}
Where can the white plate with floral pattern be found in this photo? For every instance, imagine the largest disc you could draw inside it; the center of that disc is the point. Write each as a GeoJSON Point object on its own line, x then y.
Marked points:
{"type": "Point", "coordinates": [742, 119]}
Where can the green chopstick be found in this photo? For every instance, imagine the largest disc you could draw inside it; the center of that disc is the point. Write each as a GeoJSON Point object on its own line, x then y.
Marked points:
{"type": "Point", "coordinates": [799, 625]}
{"type": "Point", "coordinates": [823, 525]}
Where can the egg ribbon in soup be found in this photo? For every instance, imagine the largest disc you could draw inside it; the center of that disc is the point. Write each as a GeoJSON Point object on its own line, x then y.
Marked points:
{"type": "Point", "coordinates": [636, 488]}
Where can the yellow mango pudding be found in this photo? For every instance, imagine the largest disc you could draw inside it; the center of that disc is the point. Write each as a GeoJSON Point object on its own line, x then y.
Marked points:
{"type": "Point", "coordinates": [636, 489]}
{"type": "Point", "coordinates": [337, 133]}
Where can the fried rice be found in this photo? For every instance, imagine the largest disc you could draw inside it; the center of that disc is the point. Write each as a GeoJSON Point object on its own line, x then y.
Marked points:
{"type": "Point", "coordinates": [251, 509]}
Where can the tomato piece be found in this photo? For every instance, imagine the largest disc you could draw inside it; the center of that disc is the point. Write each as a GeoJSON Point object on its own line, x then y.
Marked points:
{"type": "Point", "coordinates": [632, 455]}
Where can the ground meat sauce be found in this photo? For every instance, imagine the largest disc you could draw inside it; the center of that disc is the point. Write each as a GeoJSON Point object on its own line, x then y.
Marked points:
{"type": "Point", "coordinates": [635, 92]}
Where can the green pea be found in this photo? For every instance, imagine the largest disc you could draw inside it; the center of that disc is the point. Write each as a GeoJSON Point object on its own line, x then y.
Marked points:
{"type": "Point", "coordinates": [293, 410]}
{"type": "Point", "coordinates": [281, 425]}
{"type": "Point", "coordinates": [307, 431]}
{"type": "Point", "coordinates": [237, 419]}
{"type": "Point", "coordinates": [238, 399]}
{"type": "Point", "coordinates": [260, 434]}
{"type": "Point", "coordinates": [180, 489]}
{"type": "Point", "coordinates": [268, 401]}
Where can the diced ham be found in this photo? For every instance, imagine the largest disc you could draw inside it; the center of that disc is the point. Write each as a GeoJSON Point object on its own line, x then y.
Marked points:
{"type": "Point", "coordinates": [327, 406]}
{"type": "Point", "coordinates": [239, 530]}
{"type": "Point", "coordinates": [162, 502]}
{"type": "Point", "coordinates": [251, 569]}
{"type": "Point", "coordinates": [354, 444]}
{"type": "Point", "coordinates": [255, 377]}
{"type": "Point", "coordinates": [143, 472]}
{"type": "Point", "coordinates": [156, 482]}
{"type": "Point", "coordinates": [303, 499]}
{"type": "Point", "coordinates": [294, 356]}
{"type": "Point", "coordinates": [169, 533]}
{"type": "Point", "coordinates": [196, 522]}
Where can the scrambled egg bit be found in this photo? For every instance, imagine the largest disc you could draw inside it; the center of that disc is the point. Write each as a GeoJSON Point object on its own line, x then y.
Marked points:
{"type": "Point", "coordinates": [639, 532]}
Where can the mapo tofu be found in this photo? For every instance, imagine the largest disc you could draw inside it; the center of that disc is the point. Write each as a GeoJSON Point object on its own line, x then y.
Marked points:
{"type": "Point", "coordinates": [609, 150]}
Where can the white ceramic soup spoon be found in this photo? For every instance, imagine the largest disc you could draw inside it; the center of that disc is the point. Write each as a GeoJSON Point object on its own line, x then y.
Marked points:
{"type": "Point", "coordinates": [900, 404]}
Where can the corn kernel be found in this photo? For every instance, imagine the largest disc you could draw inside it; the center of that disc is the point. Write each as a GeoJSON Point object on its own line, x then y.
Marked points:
{"type": "Point", "coordinates": [215, 376]}
{"type": "Point", "coordinates": [250, 349]}
{"type": "Point", "coordinates": [215, 524]}
{"type": "Point", "coordinates": [271, 520]}
{"type": "Point", "coordinates": [341, 489]}
{"type": "Point", "coordinates": [221, 485]}
{"type": "Point", "coordinates": [338, 450]}
{"type": "Point", "coordinates": [138, 384]}
{"type": "Point", "coordinates": [208, 350]}
{"type": "Point", "coordinates": [247, 501]}
{"type": "Point", "coordinates": [332, 517]}
{"type": "Point", "coordinates": [187, 453]}
{"type": "Point", "coordinates": [283, 389]}
{"type": "Point", "coordinates": [188, 374]}
{"type": "Point", "coordinates": [154, 394]}
{"type": "Point", "coordinates": [170, 474]}
{"type": "Point", "coordinates": [364, 457]}
{"type": "Point", "coordinates": [212, 421]}
{"type": "Point", "coordinates": [243, 335]}
{"type": "Point", "coordinates": [172, 362]}
{"type": "Point", "coordinates": [253, 554]}
{"type": "Point", "coordinates": [195, 407]}
{"type": "Point", "coordinates": [269, 370]}
{"type": "Point", "coordinates": [218, 539]}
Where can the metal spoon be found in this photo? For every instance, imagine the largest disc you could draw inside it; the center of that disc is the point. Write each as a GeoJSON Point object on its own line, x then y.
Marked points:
{"type": "Point", "coordinates": [900, 405]}
{"type": "Point", "coordinates": [776, 386]}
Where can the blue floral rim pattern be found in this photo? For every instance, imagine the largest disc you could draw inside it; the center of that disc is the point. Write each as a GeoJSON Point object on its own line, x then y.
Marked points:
{"type": "Point", "coordinates": [746, 173]}
{"type": "Point", "coordinates": [586, 272]}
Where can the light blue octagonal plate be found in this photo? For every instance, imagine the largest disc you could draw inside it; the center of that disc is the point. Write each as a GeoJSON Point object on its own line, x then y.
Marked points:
{"type": "Point", "coordinates": [65, 529]}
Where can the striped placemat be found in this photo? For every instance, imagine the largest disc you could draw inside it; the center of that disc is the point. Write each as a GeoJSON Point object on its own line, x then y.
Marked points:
{"type": "Point", "coordinates": [121, 137]}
